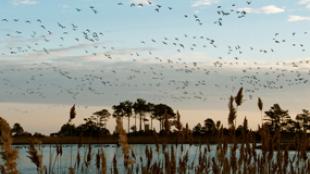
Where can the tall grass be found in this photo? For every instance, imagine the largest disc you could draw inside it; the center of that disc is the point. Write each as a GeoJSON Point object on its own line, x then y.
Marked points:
{"type": "Point", "coordinates": [36, 157]}
{"type": "Point", "coordinates": [223, 157]}
{"type": "Point", "coordinates": [8, 154]}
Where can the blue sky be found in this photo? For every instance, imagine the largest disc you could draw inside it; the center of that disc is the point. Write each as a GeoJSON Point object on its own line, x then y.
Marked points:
{"type": "Point", "coordinates": [126, 27]}
{"type": "Point", "coordinates": [164, 56]}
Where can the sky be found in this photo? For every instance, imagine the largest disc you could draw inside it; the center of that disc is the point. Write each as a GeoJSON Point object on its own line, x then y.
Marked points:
{"type": "Point", "coordinates": [189, 54]}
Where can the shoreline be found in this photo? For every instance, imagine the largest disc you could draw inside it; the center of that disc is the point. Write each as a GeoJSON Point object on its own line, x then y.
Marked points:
{"type": "Point", "coordinates": [143, 140]}
{"type": "Point", "coordinates": [114, 140]}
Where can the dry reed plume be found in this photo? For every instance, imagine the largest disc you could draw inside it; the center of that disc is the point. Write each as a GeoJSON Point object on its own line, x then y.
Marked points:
{"type": "Point", "coordinates": [103, 162]}
{"type": "Point", "coordinates": [239, 97]}
{"type": "Point", "coordinates": [8, 154]}
{"type": "Point", "coordinates": [260, 107]}
{"type": "Point", "coordinates": [123, 141]}
{"type": "Point", "coordinates": [232, 112]}
{"type": "Point", "coordinates": [35, 156]}
{"type": "Point", "coordinates": [72, 114]}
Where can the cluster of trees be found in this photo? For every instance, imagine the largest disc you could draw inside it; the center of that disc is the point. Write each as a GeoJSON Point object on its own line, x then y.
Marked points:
{"type": "Point", "coordinates": [95, 125]}
{"type": "Point", "coordinates": [209, 127]}
{"type": "Point", "coordinates": [278, 119]}
{"type": "Point", "coordinates": [275, 119]}
{"type": "Point", "coordinates": [144, 113]}
{"type": "Point", "coordinates": [18, 130]}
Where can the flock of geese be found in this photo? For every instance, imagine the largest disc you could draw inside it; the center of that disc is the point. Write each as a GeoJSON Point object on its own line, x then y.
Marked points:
{"type": "Point", "coordinates": [147, 73]}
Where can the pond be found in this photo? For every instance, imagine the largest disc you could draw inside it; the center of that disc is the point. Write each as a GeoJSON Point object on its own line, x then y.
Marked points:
{"type": "Point", "coordinates": [61, 164]}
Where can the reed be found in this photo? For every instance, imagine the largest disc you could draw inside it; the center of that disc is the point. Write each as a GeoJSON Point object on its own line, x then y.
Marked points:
{"type": "Point", "coordinates": [8, 154]}
{"type": "Point", "coordinates": [123, 141]}
{"type": "Point", "coordinates": [103, 162]}
{"type": "Point", "coordinates": [88, 156]}
{"type": "Point", "coordinates": [58, 156]}
{"type": "Point", "coordinates": [78, 158]}
{"type": "Point", "coordinates": [260, 107]}
{"type": "Point", "coordinates": [72, 114]}
{"type": "Point", "coordinates": [35, 156]}
{"type": "Point", "coordinates": [71, 170]}
{"type": "Point", "coordinates": [98, 161]}
{"type": "Point", "coordinates": [238, 100]}
{"type": "Point", "coordinates": [232, 113]}
{"type": "Point", "coordinates": [239, 97]}
{"type": "Point", "coordinates": [114, 169]}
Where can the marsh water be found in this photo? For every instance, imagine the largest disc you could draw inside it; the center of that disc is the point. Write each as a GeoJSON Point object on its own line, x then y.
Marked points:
{"type": "Point", "coordinates": [60, 164]}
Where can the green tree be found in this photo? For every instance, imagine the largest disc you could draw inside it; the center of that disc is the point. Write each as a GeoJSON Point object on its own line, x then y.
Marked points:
{"type": "Point", "coordinates": [198, 129]}
{"type": "Point", "coordinates": [90, 128]}
{"type": "Point", "coordinates": [17, 129]}
{"type": "Point", "coordinates": [102, 117]}
{"type": "Point", "coordinates": [177, 123]}
{"type": "Point", "coordinates": [67, 130]}
{"type": "Point", "coordinates": [124, 109]}
{"type": "Point", "coordinates": [291, 126]}
{"type": "Point", "coordinates": [163, 113]}
{"type": "Point", "coordinates": [304, 120]}
{"type": "Point", "coordinates": [218, 125]}
{"type": "Point", "coordinates": [140, 108]}
{"type": "Point", "coordinates": [277, 117]}
{"type": "Point", "coordinates": [209, 126]}
{"type": "Point", "coordinates": [151, 107]}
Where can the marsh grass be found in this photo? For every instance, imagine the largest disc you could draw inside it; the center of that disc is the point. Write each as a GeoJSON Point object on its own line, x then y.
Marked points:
{"type": "Point", "coordinates": [8, 154]}
{"type": "Point", "coordinates": [35, 156]}
{"type": "Point", "coordinates": [103, 162]}
{"type": "Point", "coordinates": [123, 142]}
{"type": "Point", "coordinates": [223, 157]}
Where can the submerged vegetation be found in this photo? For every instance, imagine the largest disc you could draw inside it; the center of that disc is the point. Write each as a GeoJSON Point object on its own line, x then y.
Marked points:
{"type": "Point", "coordinates": [279, 145]}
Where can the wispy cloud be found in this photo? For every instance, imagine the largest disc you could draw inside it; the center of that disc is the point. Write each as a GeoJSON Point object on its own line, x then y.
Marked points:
{"type": "Point", "coordinates": [199, 3]}
{"type": "Point", "coordinates": [305, 3]}
{"type": "Point", "coordinates": [25, 2]}
{"type": "Point", "coordinates": [269, 9]}
{"type": "Point", "coordinates": [73, 54]}
{"type": "Point", "coordinates": [295, 18]}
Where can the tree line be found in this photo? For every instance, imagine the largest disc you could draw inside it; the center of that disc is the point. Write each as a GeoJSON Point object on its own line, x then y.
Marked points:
{"type": "Point", "coordinates": [145, 113]}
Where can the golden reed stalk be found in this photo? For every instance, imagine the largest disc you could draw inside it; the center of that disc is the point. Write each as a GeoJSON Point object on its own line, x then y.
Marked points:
{"type": "Point", "coordinates": [9, 154]}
